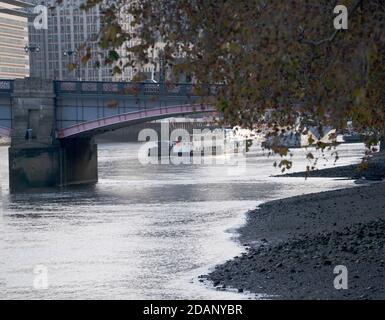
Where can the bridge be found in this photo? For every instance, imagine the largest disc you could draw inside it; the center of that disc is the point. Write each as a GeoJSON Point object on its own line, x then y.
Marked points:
{"type": "Point", "coordinates": [52, 124]}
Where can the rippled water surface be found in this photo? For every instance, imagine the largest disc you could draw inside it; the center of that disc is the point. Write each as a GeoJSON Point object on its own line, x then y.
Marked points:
{"type": "Point", "coordinates": [143, 232]}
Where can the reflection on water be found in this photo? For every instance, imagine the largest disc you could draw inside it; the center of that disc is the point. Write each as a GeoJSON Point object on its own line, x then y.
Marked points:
{"type": "Point", "coordinates": [143, 232]}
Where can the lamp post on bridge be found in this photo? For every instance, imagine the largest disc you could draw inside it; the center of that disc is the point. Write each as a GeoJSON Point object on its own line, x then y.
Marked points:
{"type": "Point", "coordinates": [161, 61]}
{"type": "Point", "coordinates": [71, 54]}
{"type": "Point", "coordinates": [32, 48]}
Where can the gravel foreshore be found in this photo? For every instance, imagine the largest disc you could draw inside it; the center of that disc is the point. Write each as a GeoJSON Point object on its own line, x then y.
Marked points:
{"type": "Point", "coordinates": [375, 170]}
{"type": "Point", "coordinates": [294, 244]}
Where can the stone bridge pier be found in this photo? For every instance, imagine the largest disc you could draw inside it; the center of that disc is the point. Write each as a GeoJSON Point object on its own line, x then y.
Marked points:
{"type": "Point", "coordinates": [37, 159]}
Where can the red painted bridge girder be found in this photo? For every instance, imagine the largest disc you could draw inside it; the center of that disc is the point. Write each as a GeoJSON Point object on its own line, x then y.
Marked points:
{"type": "Point", "coordinates": [125, 119]}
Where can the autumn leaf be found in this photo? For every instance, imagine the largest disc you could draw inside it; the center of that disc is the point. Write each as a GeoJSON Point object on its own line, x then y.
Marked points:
{"type": "Point", "coordinates": [71, 67]}
{"type": "Point", "coordinates": [85, 58]}
{"type": "Point", "coordinates": [310, 156]}
{"type": "Point", "coordinates": [113, 55]}
{"type": "Point", "coordinates": [112, 104]}
{"type": "Point", "coordinates": [116, 70]}
{"type": "Point", "coordinates": [281, 63]}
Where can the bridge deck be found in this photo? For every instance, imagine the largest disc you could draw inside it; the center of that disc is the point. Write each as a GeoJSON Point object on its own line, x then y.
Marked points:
{"type": "Point", "coordinates": [98, 106]}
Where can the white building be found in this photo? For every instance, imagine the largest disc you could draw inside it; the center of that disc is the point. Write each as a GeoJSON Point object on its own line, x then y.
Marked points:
{"type": "Point", "coordinates": [68, 28]}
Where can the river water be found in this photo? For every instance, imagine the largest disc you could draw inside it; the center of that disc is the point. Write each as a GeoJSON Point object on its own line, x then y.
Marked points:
{"type": "Point", "coordinates": [143, 232]}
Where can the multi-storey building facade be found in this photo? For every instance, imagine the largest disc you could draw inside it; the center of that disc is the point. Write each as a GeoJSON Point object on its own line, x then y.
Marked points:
{"type": "Point", "coordinates": [68, 28]}
{"type": "Point", "coordinates": [14, 60]}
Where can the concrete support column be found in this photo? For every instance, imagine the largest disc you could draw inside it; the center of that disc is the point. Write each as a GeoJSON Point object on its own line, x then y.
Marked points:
{"type": "Point", "coordinates": [33, 107]}
{"type": "Point", "coordinates": [75, 162]}
{"type": "Point", "coordinates": [33, 168]}
{"type": "Point", "coordinates": [36, 158]}
{"type": "Point", "coordinates": [79, 162]}
{"type": "Point", "coordinates": [33, 155]}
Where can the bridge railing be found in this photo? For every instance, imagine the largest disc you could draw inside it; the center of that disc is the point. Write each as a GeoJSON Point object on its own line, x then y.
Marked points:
{"type": "Point", "coordinates": [128, 88]}
{"type": "Point", "coordinates": [6, 86]}
{"type": "Point", "coordinates": [135, 88]}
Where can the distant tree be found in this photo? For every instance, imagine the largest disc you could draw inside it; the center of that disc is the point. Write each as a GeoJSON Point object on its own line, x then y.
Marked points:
{"type": "Point", "coordinates": [281, 58]}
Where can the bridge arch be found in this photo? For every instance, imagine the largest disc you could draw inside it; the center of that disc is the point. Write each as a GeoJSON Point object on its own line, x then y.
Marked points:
{"type": "Point", "coordinates": [65, 116]}
{"type": "Point", "coordinates": [98, 126]}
